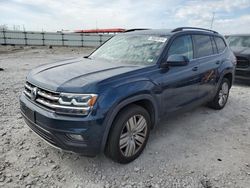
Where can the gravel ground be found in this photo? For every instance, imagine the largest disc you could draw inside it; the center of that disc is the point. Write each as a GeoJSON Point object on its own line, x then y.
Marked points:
{"type": "Point", "coordinates": [202, 148]}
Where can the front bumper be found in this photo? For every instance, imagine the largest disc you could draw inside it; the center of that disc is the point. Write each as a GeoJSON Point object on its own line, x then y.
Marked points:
{"type": "Point", "coordinates": [55, 128]}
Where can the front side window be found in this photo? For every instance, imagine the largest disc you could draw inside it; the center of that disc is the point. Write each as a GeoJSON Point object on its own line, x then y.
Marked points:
{"type": "Point", "coordinates": [131, 49]}
{"type": "Point", "coordinates": [220, 44]}
{"type": "Point", "coordinates": [239, 41]}
{"type": "Point", "coordinates": [203, 45]}
{"type": "Point", "coordinates": [182, 46]}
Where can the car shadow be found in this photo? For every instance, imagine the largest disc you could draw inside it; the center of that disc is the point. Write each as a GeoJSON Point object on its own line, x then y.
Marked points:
{"type": "Point", "coordinates": [167, 134]}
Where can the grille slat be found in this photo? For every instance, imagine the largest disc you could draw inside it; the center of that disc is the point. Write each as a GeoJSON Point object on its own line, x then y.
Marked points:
{"type": "Point", "coordinates": [50, 105]}
{"type": "Point", "coordinates": [28, 87]}
{"type": "Point", "coordinates": [47, 96]}
{"type": "Point", "coordinates": [27, 93]}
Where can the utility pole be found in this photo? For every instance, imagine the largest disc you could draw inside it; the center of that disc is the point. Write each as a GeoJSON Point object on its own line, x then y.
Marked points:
{"type": "Point", "coordinates": [212, 21]}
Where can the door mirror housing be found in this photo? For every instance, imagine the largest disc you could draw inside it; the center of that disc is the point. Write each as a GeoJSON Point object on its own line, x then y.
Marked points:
{"type": "Point", "coordinates": [176, 60]}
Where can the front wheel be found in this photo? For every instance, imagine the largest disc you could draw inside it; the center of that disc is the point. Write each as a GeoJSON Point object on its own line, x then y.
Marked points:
{"type": "Point", "coordinates": [129, 134]}
{"type": "Point", "coordinates": [221, 97]}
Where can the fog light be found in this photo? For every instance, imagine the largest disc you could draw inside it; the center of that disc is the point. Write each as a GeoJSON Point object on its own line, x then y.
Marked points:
{"type": "Point", "coordinates": [76, 137]}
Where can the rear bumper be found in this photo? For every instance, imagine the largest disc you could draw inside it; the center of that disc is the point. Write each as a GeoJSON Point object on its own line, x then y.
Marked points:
{"type": "Point", "coordinates": [54, 128]}
{"type": "Point", "coordinates": [242, 73]}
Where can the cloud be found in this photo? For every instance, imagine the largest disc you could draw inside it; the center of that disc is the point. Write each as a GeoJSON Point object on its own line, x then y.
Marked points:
{"type": "Point", "coordinates": [232, 26]}
{"type": "Point", "coordinates": [53, 15]}
{"type": "Point", "coordinates": [228, 14]}
{"type": "Point", "coordinates": [204, 8]}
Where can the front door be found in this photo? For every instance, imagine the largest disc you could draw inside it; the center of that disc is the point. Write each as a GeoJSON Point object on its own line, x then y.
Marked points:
{"type": "Point", "coordinates": [180, 83]}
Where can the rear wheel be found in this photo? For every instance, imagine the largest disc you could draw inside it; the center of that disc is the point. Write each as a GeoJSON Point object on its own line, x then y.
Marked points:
{"type": "Point", "coordinates": [129, 134]}
{"type": "Point", "coordinates": [221, 97]}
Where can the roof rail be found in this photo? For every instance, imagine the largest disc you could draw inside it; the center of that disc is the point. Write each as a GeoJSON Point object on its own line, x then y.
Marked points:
{"type": "Point", "coordinates": [192, 28]}
{"type": "Point", "coordinates": [138, 29]}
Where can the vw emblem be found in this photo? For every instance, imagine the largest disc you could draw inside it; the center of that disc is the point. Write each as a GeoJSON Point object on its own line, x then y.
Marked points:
{"type": "Point", "coordinates": [33, 93]}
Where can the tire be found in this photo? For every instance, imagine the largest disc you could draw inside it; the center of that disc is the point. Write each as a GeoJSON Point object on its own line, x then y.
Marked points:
{"type": "Point", "coordinates": [128, 135]}
{"type": "Point", "coordinates": [221, 97]}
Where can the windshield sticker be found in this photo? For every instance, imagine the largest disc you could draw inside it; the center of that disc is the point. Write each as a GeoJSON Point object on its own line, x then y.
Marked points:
{"type": "Point", "coordinates": [150, 60]}
{"type": "Point", "coordinates": [158, 39]}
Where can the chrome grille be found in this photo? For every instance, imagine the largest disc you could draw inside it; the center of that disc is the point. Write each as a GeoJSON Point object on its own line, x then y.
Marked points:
{"type": "Point", "coordinates": [43, 97]}
{"type": "Point", "coordinates": [51, 100]}
{"type": "Point", "coordinates": [242, 62]}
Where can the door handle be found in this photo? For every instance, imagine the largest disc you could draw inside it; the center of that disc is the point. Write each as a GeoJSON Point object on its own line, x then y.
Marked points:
{"type": "Point", "coordinates": [194, 68]}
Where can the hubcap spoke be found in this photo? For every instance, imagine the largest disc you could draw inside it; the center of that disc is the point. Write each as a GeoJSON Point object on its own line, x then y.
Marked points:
{"type": "Point", "coordinates": [140, 125]}
{"type": "Point", "coordinates": [130, 150]}
{"type": "Point", "coordinates": [223, 94]}
{"type": "Point", "coordinates": [139, 139]}
{"type": "Point", "coordinates": [225, 88]}
{"type": "Point", "coordinates": [124, 139]}
{"type": "Point", "coordinates": [131, 124]}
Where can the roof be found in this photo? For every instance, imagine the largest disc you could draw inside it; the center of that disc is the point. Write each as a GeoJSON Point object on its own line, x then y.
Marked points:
{"type": "Point", "coordinates": [151, 32]}
{"type": "Point", "coordinates": [110, 30]}
{"type": "Point", "coordinates": [164, 32]}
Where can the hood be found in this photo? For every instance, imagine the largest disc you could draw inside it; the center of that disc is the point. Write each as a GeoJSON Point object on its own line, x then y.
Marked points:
{"type": "Point", "coordinates": [75, 73]}
{"type": "Point", "coordinates": [241, 50]}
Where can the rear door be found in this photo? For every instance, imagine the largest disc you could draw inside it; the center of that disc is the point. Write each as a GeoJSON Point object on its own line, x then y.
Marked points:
{"type": "Point", "coordinates": [206, 55]}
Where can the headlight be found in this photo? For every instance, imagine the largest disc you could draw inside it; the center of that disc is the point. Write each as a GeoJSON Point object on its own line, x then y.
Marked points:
{"type": "Point", "coordinates": [79, 104]}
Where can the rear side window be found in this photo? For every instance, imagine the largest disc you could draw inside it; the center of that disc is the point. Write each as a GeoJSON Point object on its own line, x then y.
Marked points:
{"type": "Point", "coordinates": [220, 44]}
{"type": "Point", "coordinates": [214, 45]}
{"type": "Point", "coordinates": [203, 45]}
{"type": "Point", "coordinates": [182, 45]}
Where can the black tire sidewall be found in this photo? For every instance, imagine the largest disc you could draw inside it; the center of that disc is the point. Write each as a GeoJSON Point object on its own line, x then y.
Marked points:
{"type": "Point", "coordinates": [114, 138]}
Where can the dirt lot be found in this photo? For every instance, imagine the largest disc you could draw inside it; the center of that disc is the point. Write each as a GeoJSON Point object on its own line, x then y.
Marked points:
{"type": "Point", "coordinates": [202, 148]}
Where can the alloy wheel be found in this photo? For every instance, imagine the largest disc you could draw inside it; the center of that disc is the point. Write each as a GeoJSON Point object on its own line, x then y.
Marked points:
{"type": "Point", "coordinates": [133, 135]}
{"type": "Point", "coordinates": [223, 94]}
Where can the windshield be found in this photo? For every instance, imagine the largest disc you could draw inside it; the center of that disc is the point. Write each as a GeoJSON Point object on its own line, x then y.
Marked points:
{"type": "Point", "coordinates": [239, 41]}
{"type": "Point", "coordinates": [131, 49]}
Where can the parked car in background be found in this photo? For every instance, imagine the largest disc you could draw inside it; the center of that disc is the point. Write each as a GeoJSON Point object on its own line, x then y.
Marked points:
{"type": "Point", "coordinates": [240, 44]}
{"type": "Point", "coordinates": [110, 100]}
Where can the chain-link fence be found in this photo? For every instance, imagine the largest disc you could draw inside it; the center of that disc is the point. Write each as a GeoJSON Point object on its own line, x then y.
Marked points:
{"type": "Point", "coordinates": [8, 37]}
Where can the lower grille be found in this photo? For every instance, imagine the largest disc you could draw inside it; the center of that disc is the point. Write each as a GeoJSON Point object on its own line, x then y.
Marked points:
{"type": "Point", "coordinates": [242, 62]}
{"type": "Point", "coordinates": [42, 133]}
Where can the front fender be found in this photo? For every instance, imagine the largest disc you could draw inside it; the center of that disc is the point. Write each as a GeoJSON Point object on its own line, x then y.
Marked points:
{"type": "Point", "coordinates": [128, 94]}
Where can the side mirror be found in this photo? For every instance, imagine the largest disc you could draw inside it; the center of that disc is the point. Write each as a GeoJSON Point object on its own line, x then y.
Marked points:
{"type": "Point", "coordinates": [176, 60]}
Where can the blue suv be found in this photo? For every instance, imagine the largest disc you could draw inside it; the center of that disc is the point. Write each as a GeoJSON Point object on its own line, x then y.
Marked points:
{"type": "Point", "coordinates": [110, 100]}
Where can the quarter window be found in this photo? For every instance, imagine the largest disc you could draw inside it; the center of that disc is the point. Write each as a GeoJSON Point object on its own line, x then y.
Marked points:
{"type": "Point", "coordinates": [183, 46]}
{"type": "Point", "coordinates": [203, 45]}
{"type": "Point", "coordinates": [220, 44]}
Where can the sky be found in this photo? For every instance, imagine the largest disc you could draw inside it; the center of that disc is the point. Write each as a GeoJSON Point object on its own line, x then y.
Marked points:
{"type": "Point", "coordinates": [230, 16]}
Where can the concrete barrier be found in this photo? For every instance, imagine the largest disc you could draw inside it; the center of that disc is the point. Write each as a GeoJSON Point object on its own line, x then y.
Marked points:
{"type": "Point", "coordinates": [8, 37]}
